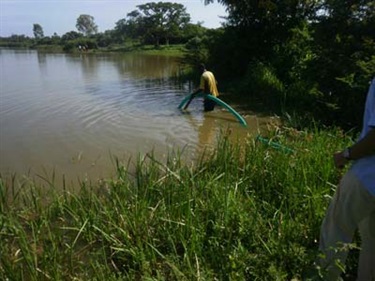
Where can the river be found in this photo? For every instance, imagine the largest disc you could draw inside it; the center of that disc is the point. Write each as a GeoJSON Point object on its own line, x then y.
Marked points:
{"type": "Point", "coordinates": [71, 115]}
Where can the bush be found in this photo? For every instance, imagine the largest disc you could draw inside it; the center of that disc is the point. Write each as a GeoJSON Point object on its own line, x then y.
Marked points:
{"type": "Point", "coordinates": [72, 45]}
{"type": "Point", "coordinates": [261, 82]}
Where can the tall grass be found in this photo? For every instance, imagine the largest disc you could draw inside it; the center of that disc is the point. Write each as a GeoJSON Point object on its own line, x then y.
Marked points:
{"type": "Point", "coordinates": [249, 212]}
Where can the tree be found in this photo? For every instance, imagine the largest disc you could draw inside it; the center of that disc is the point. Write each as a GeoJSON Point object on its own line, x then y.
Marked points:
{"type": "Point", "coordinates": [86, 25]}
{"type": "Point", "coordinates": [344, 39]}
{"type": "Point", "coordinates": [38, 31]}
{"type": "Point", "coordinates": [71, 35]}
{"type": "Point", "coordinates": [127, 28]}
{"type": "Point", "coordinates": [106, 38]}
{"type": "Point", "coordinates": [319, 51]}
{"type": "Point", "coordinates": [156, 21]}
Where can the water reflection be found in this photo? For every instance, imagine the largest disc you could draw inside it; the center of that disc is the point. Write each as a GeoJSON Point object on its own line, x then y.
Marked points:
{"type": "Point", "coordinates": [205, 127]}
{"type": "Point", "coordinates": [72, 114]}
{"type": "Point", "coordinates": [42, 60]}
{"type": "Point", "coordinates": [141, 66]}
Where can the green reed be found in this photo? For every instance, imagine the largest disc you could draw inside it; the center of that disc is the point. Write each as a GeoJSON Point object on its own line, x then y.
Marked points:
{"type": "Point", "coordinates": [241, 212]}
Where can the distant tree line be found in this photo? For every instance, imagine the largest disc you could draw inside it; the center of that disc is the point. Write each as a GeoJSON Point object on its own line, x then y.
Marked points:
{"type": "Point", "coordinates": [151, 23]}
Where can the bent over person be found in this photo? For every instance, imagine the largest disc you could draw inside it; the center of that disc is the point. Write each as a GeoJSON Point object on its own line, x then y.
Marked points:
{"type": "Point", "coordinates": [207, 85]}
{"type": "Point", "coordinates": [353, 204]}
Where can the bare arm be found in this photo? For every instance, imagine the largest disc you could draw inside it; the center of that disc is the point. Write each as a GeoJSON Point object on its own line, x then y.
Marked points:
{"type": "Point", "coordinates": [365, 147]}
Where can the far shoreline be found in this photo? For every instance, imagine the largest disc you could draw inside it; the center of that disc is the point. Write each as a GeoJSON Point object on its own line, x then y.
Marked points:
{"type": "Point", "coordinates": [165, 50]}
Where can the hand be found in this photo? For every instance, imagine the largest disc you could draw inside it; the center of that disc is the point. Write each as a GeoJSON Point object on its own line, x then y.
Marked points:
{"type": "Point", "coordinates": [339, 160]}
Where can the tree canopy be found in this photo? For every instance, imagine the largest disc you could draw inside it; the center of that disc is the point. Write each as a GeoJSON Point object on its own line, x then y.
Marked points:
{"type": "Point", "coordinates": [38, 31]}
{"type": "Point", "coordinates": [155, 21]}
{"type": "Point", "coordinates": [86, 25]}
{"type": "Point", "coordinates": [317, 54]}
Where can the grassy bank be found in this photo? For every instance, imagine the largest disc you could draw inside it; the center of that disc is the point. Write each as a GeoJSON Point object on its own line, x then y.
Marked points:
{"type": "Point", "coordinates": [248, 212]}
{"type": "Point", "coordinates": [176, 50]}
{"type": "Point", "coordinates": [165, 50]}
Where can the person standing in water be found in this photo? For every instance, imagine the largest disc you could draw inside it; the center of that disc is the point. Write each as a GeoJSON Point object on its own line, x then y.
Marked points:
{"type": "Point", "coordinates": [207, 85]}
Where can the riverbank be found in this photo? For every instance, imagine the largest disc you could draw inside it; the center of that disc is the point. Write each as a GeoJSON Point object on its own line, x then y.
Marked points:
{"type": "Point", "coordinates": [165, 50]}
{"type": "Point", "coordinates": [249, 212]}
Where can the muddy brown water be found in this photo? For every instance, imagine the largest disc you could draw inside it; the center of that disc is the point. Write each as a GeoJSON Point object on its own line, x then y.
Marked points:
{"type": "Point", "coordinates": [71, 114]}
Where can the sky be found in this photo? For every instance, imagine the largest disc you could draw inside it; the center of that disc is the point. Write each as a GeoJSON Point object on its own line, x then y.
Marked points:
{"type": "Point", "coordinates": [60, 16]}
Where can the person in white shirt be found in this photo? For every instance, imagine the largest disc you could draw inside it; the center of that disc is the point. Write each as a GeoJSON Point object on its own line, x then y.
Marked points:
{"type": "Point", "coordinates": [353, 204]}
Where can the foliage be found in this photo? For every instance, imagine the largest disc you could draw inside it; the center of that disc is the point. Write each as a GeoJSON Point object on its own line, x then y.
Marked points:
{"type": "Point", "coordinates": [38, 31]}
{"type": "Point", "coordinates": [156, 21]}
{"type": "Point", "coordinates": [345, 47]}
{"type": "Point", "coordinates": [196, 51]}
{"type": "Point", "coordinates": [73, 45]}
{"type": "Point", "coordinates": [262, 79]}
{"type": "Point", "coordinates": [242, 212]}
{"type": "Point", "coordinates": [321, 51]}
{"type": "Point", "coordinates": [16, 41]}
{"type": "Point", "coordinates": [71, 35]}
{"type": "Point", "coordinates": [193, 30]}
{"type": "Point", "coordinates": [105, 39]}
{"type": "Point", "coordinates": [86, 25]}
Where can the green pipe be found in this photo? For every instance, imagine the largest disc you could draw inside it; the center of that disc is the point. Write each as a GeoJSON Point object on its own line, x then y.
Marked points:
{"type": "Point", "coordinates": [188, 97]}
{"type": "Point", "coordinates": [218, 101]}
{"type": "Point", "coordinates": [274, 144]}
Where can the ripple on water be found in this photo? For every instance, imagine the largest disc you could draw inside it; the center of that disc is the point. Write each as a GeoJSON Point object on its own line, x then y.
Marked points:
{"type": "Point", "coordinates": [87, 106]}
